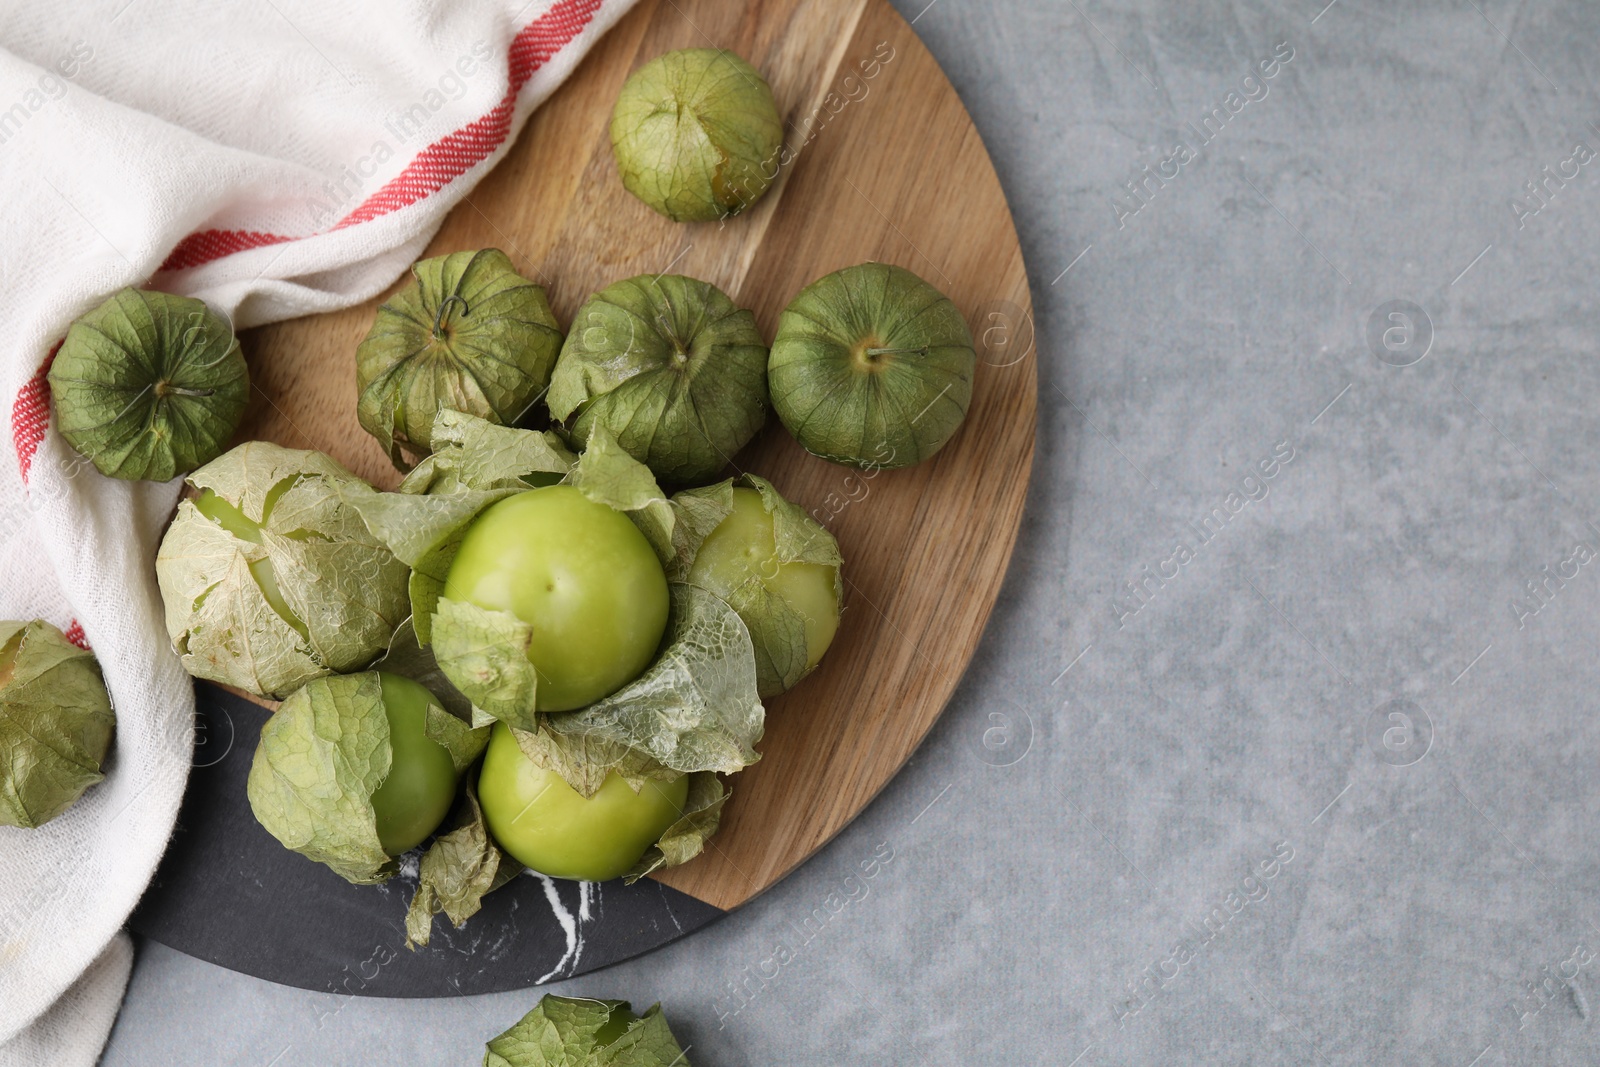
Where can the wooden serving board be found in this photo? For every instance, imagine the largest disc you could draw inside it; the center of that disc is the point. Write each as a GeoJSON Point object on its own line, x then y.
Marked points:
{"type": "Point", "coordinates": [889, 168]}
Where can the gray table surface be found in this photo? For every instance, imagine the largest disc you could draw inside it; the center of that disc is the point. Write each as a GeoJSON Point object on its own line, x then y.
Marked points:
{"type": "Point", "coordinates": [1217, 837]}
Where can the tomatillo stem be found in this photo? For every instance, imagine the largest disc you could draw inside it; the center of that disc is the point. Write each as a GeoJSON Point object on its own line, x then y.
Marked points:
{"type": "Point", "coordinates": [444, 305]}
{"type": "Point", "coordinates": [164, 388]}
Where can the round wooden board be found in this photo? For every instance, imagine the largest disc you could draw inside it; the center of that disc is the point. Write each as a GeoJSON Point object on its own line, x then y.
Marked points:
{"type": "Point", "coordinates": [889, 168]}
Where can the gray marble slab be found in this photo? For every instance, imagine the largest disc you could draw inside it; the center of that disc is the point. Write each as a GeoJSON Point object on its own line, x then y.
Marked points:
{"type": "Point", "coordinates": [1325, 791]}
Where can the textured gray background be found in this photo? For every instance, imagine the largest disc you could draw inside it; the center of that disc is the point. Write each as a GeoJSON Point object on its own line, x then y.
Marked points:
{"type": "Point", "coordinates": [1425, 897]}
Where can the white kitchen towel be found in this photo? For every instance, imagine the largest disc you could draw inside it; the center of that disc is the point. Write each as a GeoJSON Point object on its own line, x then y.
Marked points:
{"type": "Point", "coordinates": [274, 158]}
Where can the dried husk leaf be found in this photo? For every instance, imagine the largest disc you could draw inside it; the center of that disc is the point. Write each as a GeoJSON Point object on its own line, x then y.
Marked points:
{"type": "Point", "coordinates": [584, 761]}
{"type": "Point", "coordinates": [607, 474]}
{"type": "Point", "coordinates": [695, 708]}
{"type": "Point", "coordinates": [564, 1032]}
{"type": "Point", "coordinates": [485, 655]}
{"type": "Point", "coordinates": [459, 869]}
{"type": "Point", "coordinates": [686, 838]}
{"type": "Point", "coordinates": [471, 453]}
{"type": "Point", "coordinates": [455, 735]}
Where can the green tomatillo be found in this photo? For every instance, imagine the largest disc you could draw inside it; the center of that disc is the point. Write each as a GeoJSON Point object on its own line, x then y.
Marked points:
{"type": "Point", "coordinates": [56, 723]}
{"type": "Point", "coordinates": [149, 385]}
{"type": "Point", "coordinates": [416, 795]}
{"type": "Point", "coordinates": [467, 334]}
{"type": "Point", "coordinates": [779, 569]}
{"type": "Point", "coordinates": [551, 828]}
{"type": "Point", "coordinates": [270, 579]}
{"type": "Point", "coordinates": [354, 770]}
{"type": "Point", "coordinates": [696, 134]}
{"type": "Point", "coordinates": [671, 368]}
{"type": "Point", "coordinates": [578, 574]}
{"type": "Point", "coordinates": [872, 367]}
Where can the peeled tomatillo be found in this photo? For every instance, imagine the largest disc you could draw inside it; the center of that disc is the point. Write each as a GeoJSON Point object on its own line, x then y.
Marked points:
{"type": "Point", "coordinates": [581, 575]}
{"type": "Point", "coordinates": [550, 827]}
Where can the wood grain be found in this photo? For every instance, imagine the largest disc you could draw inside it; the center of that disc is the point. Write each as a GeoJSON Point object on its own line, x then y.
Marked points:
{"type": "Point", "coordinates": [887, 168]}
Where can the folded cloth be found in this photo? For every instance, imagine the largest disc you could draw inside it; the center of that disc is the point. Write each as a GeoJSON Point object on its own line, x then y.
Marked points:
{"type": "Point", "coordinates": [272, 159]}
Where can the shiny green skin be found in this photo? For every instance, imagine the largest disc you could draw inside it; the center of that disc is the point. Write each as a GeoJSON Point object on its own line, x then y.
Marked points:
{"type": "Point", "coordinates": [551, 828]}
{"type": "Point", "coordinates": [581, 575]}
{"type": "Point", "coordinates": [421, 785]}
{"type": "Point", "coordinates": [871, 367]}
{"type": "Point", "coordinates": [696, 134]}
{"type": "Point", "coordinates": [671, 367]}
{"type": "Point", "coordinates": [149, 385]}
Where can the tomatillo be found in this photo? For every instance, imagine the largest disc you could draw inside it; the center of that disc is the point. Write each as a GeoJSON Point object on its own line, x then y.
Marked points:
{"type": "Point", "coordinates": [421, 785]}
{"type": "Point", "coordinates": [696, 134]}
{"type": "Point", "coordinates": [230, 518]}
{"type": "Point", "coordinates": [270, 578]}
{"type": "Point", "coordinates": [551, 828]}
{"type": "Point", "coordinates": [581, 575]}
{"type": "Point", "coordinates": [354, 770]}
{"type": "Point", "coordinates": [871, 367]}
{"type": "Point", "coordinates": [149, 385]}
{"type": "Point", "coordinates": [739, 562]}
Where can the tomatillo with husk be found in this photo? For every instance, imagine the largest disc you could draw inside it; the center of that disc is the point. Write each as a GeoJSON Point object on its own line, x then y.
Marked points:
{"type": "Point", "coordinates": [779, 569]}
{"type": "Point", "coordinates": [467, 334]}
{"type": "Point", "coordinates": [56, 722]}
{"type": "Point", "coordinates": [270, 578]}
{"type": "Point", "coordinates": [354, 770]}
{"type": "Point", "coordinates": [696, 134]}
{"type": "Point", "coordinates": [671, 367]}
{"type": "Point", "coordinates": [872, 367]}
{"type": "Point", "coordinates": [149, 385]}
